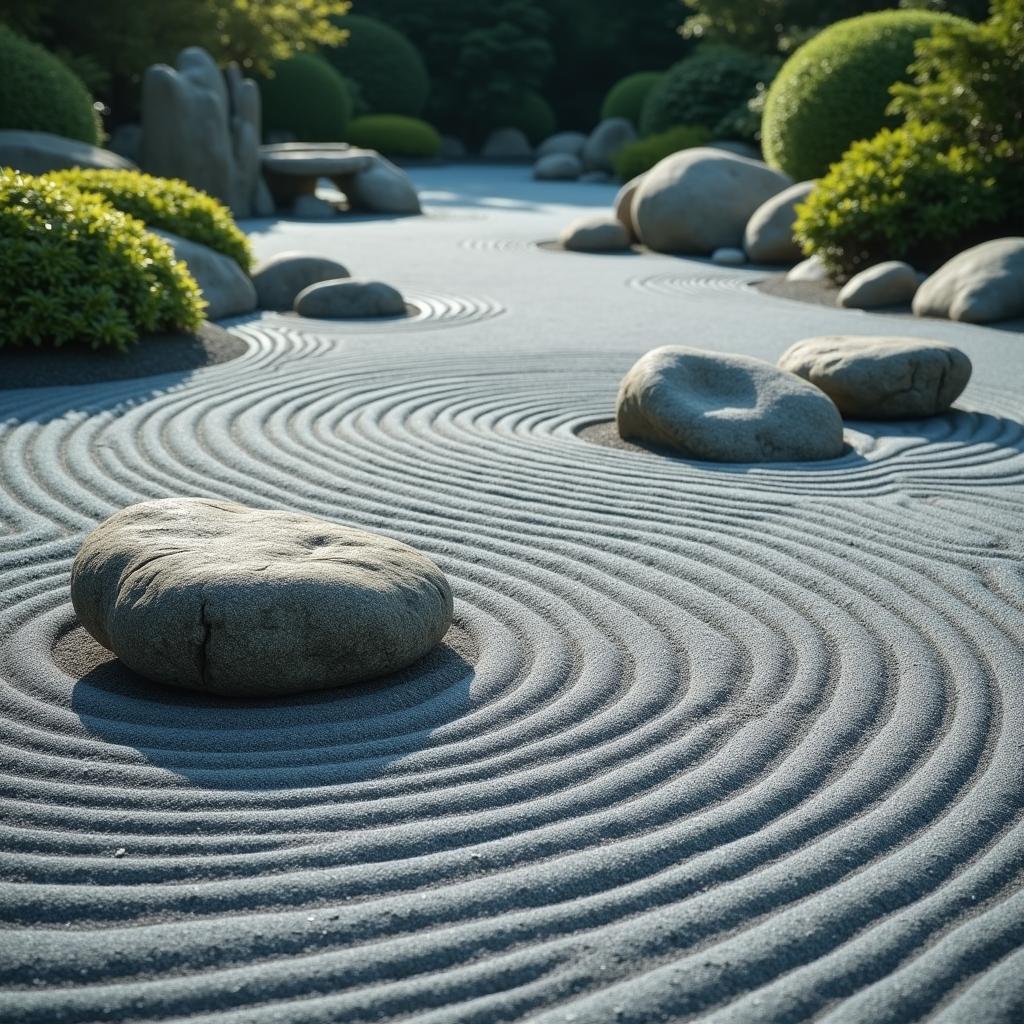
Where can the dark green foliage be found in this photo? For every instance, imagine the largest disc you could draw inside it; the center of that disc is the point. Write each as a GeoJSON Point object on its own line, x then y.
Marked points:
{"type": "Point", "coordinates": [530, 113]}
{"type": "Point", "coordinates": [705, 88]}
{"type": "Point", "coordinates": [167, 204]}
{"type": "Point", "coordinates": [387, 68]}
{"type": "Point", "coordinates": [626, 97]}
{"type": "Point", "coordinates": [639, 156]}
{"type": "Point", "coordinates": [835, 89]}
{"type": "Point", "coordinates": [74, 269]}
{"type": "Point", "coordinates": [40, 93]}
{"type": "Point", "coordinates": [904, 194]}
{"type": "Point", "coordinates": [308, 98]}
{"type": "Point", "coordinates": [395, 135]}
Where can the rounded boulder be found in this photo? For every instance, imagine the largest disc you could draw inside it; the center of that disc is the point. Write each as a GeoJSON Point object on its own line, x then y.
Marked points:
{"type": "Point", "coordinates": [280, 279]}
{"type": "Point", "coordinates": [595, 234]}
{"type": "Point", "coordinates": [352, 298]}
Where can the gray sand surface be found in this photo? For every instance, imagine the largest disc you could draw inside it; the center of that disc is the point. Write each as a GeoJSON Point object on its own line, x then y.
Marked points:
{"type": "Point", "coordinates": [741, 743]}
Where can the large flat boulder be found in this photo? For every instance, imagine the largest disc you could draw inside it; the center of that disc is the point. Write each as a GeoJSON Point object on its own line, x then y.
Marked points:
{"type": "Point", "coordinates": [279, 279]}
{"type": "Point", "coordinates": [39, 152]}
{"type": "Point", "coordinates": [981, 285]}
{"type": "Point", "coordinates": [700, 200]}
{"type": "Point", "coordinates": [213, 596]}
{"type": "Point", "coordinates": [228, 290]}
{"type": "Point", "coordinates": [881, 377]}
{"type": "Point", "coordinates": [726, 408]}
{"type": "Point", "coordinates": [768, 236]}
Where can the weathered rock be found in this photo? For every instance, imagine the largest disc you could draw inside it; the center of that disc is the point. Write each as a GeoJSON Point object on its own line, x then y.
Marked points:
{"type": "Point", "coordinates": [623, 206]}
{"type": "Point", "coordinates": [599, 233]}
{"type": "Point", "coordinates": [768, 236]}
{"type": "Point", "coordinates": [213, 596]}
{"type": "Point", "coordinates": [507, 144]}
{"type": "Point", "coordinates": [810, 269]}
{"type": "Point", "coordinates": [892, 283]}
{"type": "Point", "coordinates": [605, 141]}
{"type": "Point", "coordinates": [39, 152]}
{"type": "Point", "coordinates": [729, 257]}
{"type": "Point", "coordinates": [571, 143]}
{"type": "Point", "coordinates": [280, 279]}
{"type": "Point", "coordinates": [981, 285]}
{"type": "Point", "coordinates": [699, 200]}
{"type": "Point", "coordinates": [349, 299]}
{"type": "Point", "coordinates": [726, 408]}
{"type": "Point", "coordinates": [227, 289]}
{"type": "Point", "coordinates": [881, 378]}
{"type": "Point", "coordinates": [203, 127]}
{"type": "Point", "coordinates": [557, 167]}
{"type": "Point", "coordinates": [383, 187]}
{"type": "Point", "coordinates": [313, 208]}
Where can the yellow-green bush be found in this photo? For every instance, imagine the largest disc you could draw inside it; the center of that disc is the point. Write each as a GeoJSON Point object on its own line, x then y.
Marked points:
{"type": "Point", "coordinates": [636, 157]}
{"type": "Point", "coordinates": [168, 204]}
{"type": "Point", "coordinates": [75, 269]}
{"type": "Point", "coordinates": [395, 135]}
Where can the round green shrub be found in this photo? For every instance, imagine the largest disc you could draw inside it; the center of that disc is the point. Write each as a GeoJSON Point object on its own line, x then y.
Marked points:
{"type": "Point", "coordinates": [307, 98]}
{"type": "Point", "coordinates": [74, 269]}
{"type": "Point", "coordinates": [40, 93]}
{"type": "Point", "coordinates": [168, 204]}
{"type": "Point", "coordinates": [626, 97]}
{"type": "Point", "coordinates": [395, 135]}
{"type": "Point", "coordinates": [834, 90]}
{"type": "Point", "coordinates": [705, 88]}
{"type": "Point", "coordinates": [530, 113]}
{"type": "Point", "coordinates": [387, 69]}
{"type": "Point", "coordinates": [905, 194]}
{"type": "Point", "coordinates": [636, 157]}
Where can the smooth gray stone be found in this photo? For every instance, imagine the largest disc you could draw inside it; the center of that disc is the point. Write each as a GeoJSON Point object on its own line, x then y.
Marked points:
{"type": "Point", "coordinates": [228, 290]}
{"type": "Point", "coordinates": [768, 236]}
{"type": "Point", "coordinates": [605, 141]}
{"type": "Point", "coordinates": [570, 143]}
{"type": "Point", "coordinates": [892, 283]}
{"type": "Point", "coordinates": [881, 377]}
{"type": "Point", "coordinates": [313, 208]}
{"type": "Point", "coordinates": [623, 206]}
{"type": "Point", "coordinates": [213, 596]}
{"type": "Point", "coordinates": [600, 233]}
{"type": "Point", "coordinates": [340, 300]}
{"type": "Point", "coordinates": [726, 408]}
{"type": "Point", "coordinates": [280, 279]}
{"type": "Point", "coordinates": [558, 167]}
{"type": "Point", "coordinates": [39, 152]}
{"type": "Point", "coordinates": [507, 144]}
{"type": "Point", "coordinates": [728, 257]}
{"type": "Point", "coordinates": [981, 285]}
{"type": "Point", "coordinates": [810, 269]}
{"type": "Point", "coordinates": [700, 200]}
{"type": "Point", "coordinates": [452, 148]}
{"type": "Point", "coordinates": [596, 178]}
{"type": "Point", "coordinates": [383, 187]}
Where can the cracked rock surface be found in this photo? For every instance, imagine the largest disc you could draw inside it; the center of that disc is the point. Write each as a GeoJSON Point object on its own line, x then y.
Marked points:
{"type": "Point", "coordinates": [215, 596]}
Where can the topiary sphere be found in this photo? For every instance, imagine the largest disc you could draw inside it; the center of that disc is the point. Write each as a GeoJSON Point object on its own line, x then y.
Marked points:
{"type": "Point", "coordinates": [40, 93]}
{"type": "Point", "coordinates": [835, 88]}
{"type": "Point", "coordinates": [74, 269]}
{"type": "Point", "coordinates": [387, 69]}
{"type": "Point", "coordinates": [307, 98]}
{"type": "Point", "coordinates": [626, 97]}
{"type": "Point", "coordinates": [530, 113]}
{"type": "Point", "coordinates": [395, 135]}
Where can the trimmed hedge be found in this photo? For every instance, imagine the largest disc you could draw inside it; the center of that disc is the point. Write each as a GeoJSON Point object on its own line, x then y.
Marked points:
{"type": "Point", "coordinates": [905, 194]}
{"type": "Point", "coordinates": [637, 157]}
{"type": "Point", "coordinates": [834, 90]}
{"type": "Point", "coordinates": [395, 135]}
{"type": "Point", "coordinates": [626, 97]}
{"type": "Point", "coordinates": [40, 93]}
{"type": "Point", "coordinates": [168, 204]}
{"type": "Point", "coordinates": [705, 88]}
{"type": "Point", "coordinates": [530, 113]}
{"type": "Point", "coordinates": [307, 98]}
{"type": "Point", "coordinates": [74, 269]}
{"type": "Point", "coordinates": [388, 71]}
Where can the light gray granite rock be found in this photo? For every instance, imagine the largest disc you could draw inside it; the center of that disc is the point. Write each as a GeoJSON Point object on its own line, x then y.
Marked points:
{"type": "Point", "coordinates": [728, 257]}
{"type": "Point", "coordinates": [700, 199]}
{"type": "Point", "coordinates": [558, 167]}
{"type": "Point", "coordinates": [982, 285]}
{"type": "Point", "coordinates": [280, 279]}
{"type": "Point", "coordinates": [768, 236]}
{"type": "Point", "coordinates": [810, 269]}
{"type": "Point", "coordinates": [39, 152]}
{"type": "Point", "coordinates": [881, 377]}
{"type": "Point", "coordinates": [228, 290]}
{"type": "Point", "coordinates": [349, 299]}
{"type": "Point", "coordinates": [570, 143]}
{"type": "Point", "coordinates": [383, 187]}
{"type": "Point", "coordinates": [213, 596]}
{"type": "Point", "coordinates": [892, 283]}
{"type": "Point", "coordinates": [605, 141]}
{"type": "Point", "coordinates": [596, 233]}
{"type": "Point", "coordinates": [726, 408]}
{"type": "Point", "coordinates": [623, 206]}
{"type": "Point", "coordinates": [507, 144]}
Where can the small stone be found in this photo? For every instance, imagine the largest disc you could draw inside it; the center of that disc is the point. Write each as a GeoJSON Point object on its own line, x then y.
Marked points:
{"type": "Point", "coordinates": [768, 236]}
{"type": "Point", "coordinates": [557, 167]}
{"type": "Point", "coordinates": [605, 141]}
{"type": "Point", "coordinates": [507, 144]}
{"type": "Point", "coordinates": [728, 257]}
{"type": "Point", "coordinates": [596, 178]}
{"type": "Point", "coordinates": [595, 234]}
{"type": "Point", "coordinates": [313, 208]}
{"type": "Point", "coordinates": [280, 279]}
{"type": "Point", "coordinates": [452, 148]}
{"type": "Point", "coordinates": [349, 299]}
{"type": "Point", "coordinates": [726, 408]}
{"type": "Point", "coordinates": [892, 283]}
{"type": "Point", "coordinates": [981, 285]}
{"type": "Point", "coordinates": [810, 269]}
{"type": "Point", "coordinates": [570, 143]}
{"type": "Point", "coordinates": [120, 851]}
{"type": "Point", "coordinates": [881, 377]}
